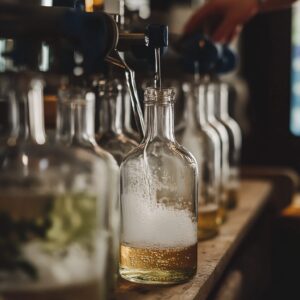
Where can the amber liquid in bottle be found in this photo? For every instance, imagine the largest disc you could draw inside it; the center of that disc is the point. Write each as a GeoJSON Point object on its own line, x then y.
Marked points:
{"type": "Point", "coordinates": [158, 265]}
{"type": "Point", "coordinates": [208, 226]}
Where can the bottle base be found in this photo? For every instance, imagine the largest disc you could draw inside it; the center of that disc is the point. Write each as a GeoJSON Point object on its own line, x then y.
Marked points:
{"type": "Point", "coordinates": [232, 200]}
{"type": "Point", "coordinates": [155, 265]}
{"type": "Point", "coordinates": [207, 234]}
{"type": "Point", "coordinates": [156, 277]}
{"type": "Point", "coordinates": [222, 215]}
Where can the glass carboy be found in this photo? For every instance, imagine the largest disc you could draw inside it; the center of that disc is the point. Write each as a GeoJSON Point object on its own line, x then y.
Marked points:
{"type": "Point", "coordinates": [203, 142]}
{"type": "Point", "coordinates": [53, 233]}
{"type": "Point", "coordinates": [159, 201]}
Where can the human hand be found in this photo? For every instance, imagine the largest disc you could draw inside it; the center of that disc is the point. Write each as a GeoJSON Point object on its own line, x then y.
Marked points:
{"type": "Point", "coordinates": [224, 18]}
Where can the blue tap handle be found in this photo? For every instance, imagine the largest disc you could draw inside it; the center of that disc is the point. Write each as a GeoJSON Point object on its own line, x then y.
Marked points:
{"type": "Point", "coordinates": [201, 50]}
{"type": "Point", "coordinates": [227, 61]}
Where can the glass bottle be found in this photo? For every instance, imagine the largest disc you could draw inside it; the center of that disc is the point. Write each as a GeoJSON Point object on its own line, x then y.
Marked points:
{"type": "Point", "coordinates": [51, 212]}
{"type": "Point", "coordinates": [110, 135]}
{"type": "Point", "coordinates": [211, 99]}
{"type": "Point", "coordinates": [204, 143]}
{"type": "Point", "coordinates": [75, 128]}
{"type": "Point", "coordinates": [159, 201]}
{"type": "Point", "coordinates": [235, 143]}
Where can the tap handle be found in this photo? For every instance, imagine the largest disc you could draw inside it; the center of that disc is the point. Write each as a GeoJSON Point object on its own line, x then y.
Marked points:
{"type": "Point", "coordinates": [156, 36]}
{"type": "Point", "coordinates": [227, 61]}
{"type": "Point", "coordinates": [201, 50]}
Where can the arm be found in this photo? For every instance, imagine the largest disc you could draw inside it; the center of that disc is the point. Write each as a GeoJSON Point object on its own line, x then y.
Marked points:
{"type": "Point", "coordinates": [226, 17]}
{"type": "Point", "coordinates": [276, 4]}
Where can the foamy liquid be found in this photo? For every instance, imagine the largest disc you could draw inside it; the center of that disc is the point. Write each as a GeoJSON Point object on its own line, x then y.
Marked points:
{"type": "Point", "coordinates": [147, 225]}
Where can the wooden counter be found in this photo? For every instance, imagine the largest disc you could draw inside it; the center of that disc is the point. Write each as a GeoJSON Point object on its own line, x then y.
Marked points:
{"type": "Point", "coordinates": [213, 255]}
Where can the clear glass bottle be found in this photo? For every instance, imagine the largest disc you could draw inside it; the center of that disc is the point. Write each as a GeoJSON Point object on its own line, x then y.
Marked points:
{"type": "Point", "coordinates": [211, 100]}
{"type": "Point", "coordinates": [110, 134]}
{"type": "Point", "coordinates": [204, 143]}
{"type": "Point", "coordinates": [158, 194]}
{"type": "Point", "coordinates": [52, 211]}
{"type": "Point", "coordinates": [75, 128]}
{"type": "Point", "coordinates": [235, 143]}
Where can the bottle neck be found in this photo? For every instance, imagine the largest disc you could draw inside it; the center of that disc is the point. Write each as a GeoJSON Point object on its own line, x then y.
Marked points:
{"type": "Point", "coordinates": [201, 107]}
{"type": "Point", "coordinates": [224, 96]}
{"type": "Point", "coordinates": [159, 119]}
{"type": "Point", "coordinates": [210, 101]}
{"type": "Point", "coordinates": [190, 110]}
{"type": "Point", "coordinates": [36, 112]}
{"type": "Point", "coordinates": [75, 119]}
{"type": "Point", "coordinates": [28, 115]}
{"type": "Point", "coordinates": [110, 114]}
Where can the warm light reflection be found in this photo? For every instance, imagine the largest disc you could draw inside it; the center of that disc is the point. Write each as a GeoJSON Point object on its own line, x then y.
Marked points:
{"type": "Point", "coordinates": [94, 5]}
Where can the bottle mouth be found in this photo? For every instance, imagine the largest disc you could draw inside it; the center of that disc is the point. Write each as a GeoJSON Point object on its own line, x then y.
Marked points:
{"type": "Point", "coordinates": [109, 88]}
{"type": "Point", "coordinates": [159, 96]}
{"type": "Point", "coordinates": [76, 96]}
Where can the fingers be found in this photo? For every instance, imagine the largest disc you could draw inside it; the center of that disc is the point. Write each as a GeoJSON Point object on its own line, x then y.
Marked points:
{"type": "Point", "coordinates": [200, 17]}
{"type": "Point", "coordinates": [234, 34]}
{"type": "Point", "coordinates": [226, 30]}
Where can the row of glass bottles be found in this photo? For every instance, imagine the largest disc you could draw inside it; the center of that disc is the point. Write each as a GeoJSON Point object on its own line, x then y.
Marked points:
{"type": "Point", "coordinates": [158, 179]}
{"type": "Point", "coordinates": [158, 188]}
{"type": "Point", "coordinates": [210, 134]}
{"type": "Point", "coordinates": [214, 138]}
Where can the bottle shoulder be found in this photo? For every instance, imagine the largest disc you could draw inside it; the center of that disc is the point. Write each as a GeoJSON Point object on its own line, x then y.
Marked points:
{"type": "Point", "coordinates": [161, 151]}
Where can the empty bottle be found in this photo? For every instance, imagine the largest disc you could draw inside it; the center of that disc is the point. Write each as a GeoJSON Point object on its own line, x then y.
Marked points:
{"type": "Point", "coordinates": [211, 101]}
{"type": "Point", "coordinates": [235, 143]}
{"type": "Point", "coordinates": [204, 143]}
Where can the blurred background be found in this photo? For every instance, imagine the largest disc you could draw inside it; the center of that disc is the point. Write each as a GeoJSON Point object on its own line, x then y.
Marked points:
{"type": "Point", "coordinates": [263, 82]}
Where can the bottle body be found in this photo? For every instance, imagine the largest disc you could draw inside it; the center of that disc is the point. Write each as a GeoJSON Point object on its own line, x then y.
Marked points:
{"type": "Point", "coordinates": [52, 212]}
{"type": "Point", "coordinates": [75, 129]}
{"type": "Point", "coordinates": [219, 128]}
{"type": "Point", "coordinates": [51, 228]}
{"type": "Point", "coordinates": [235, 143]}
{"type": "Point", "coordinates": [158, 192]}
{"type": "Point", "coordinates": [203, 143]}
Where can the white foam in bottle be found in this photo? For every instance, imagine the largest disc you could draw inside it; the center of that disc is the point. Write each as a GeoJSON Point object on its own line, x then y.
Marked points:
{"type": "Point", "coordinates": [148, 225]}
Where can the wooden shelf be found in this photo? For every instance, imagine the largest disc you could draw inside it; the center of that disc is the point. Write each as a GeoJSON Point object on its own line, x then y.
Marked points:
{"type": "Point", "coordinates": [213, 255]}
